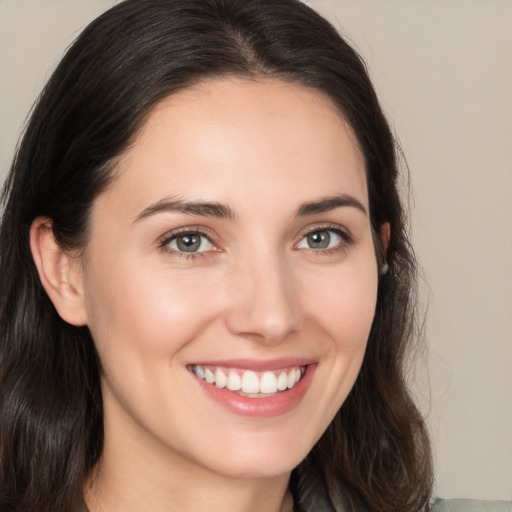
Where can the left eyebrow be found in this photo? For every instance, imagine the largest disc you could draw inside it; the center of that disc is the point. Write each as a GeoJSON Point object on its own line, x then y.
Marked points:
{"type": "Point", "coordinates": [326, 204]}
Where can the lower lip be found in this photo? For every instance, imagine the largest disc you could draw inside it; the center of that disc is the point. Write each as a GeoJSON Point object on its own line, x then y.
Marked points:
{"type": "Point", "coordinates": [265, 407]}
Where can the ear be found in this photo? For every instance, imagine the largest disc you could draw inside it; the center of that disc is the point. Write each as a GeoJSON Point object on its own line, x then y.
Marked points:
{"type": "Point", "coordinates": [385, 234]}
{"type": "Point", "coordinates": [60, 272]}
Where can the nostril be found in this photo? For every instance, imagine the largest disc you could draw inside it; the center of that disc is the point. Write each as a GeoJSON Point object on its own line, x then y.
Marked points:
{"type": "Point", "coordinates": [264, 306]}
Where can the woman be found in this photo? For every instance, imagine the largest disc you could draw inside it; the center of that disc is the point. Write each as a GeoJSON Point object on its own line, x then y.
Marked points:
{"type": "Point", "coordinates": [207, 288]}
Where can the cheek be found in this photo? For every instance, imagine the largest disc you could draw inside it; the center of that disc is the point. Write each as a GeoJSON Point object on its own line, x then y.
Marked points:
{"type": "Point", "coordinates": [343, 303]}
{"type": "Point", "coordinates": [344, 313]}
{"type": "Point", "coordinates": [140, 325]}
{"type": "Point", "coordinates": [136, 311]}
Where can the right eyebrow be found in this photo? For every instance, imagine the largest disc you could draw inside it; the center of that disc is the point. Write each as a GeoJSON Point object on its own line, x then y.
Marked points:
{"type": "Point", "coordinates": [326, 204]}
{"type": "Point", "coordinates": [202, 208]}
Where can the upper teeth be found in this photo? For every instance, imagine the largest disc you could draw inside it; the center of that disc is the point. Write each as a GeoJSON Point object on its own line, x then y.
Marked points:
{"type": "Point", "coordinates": [248, 381]}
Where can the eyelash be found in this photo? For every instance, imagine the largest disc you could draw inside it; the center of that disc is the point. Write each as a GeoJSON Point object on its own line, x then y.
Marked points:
{"type": "Point", "coordinates": [347, 240]}
{"type": "Point", "coordinates": [164, 244]}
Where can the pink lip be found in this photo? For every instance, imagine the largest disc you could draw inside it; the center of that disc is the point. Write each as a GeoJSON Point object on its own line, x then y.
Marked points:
{"type": "Point", "coordinates": [267, 407]}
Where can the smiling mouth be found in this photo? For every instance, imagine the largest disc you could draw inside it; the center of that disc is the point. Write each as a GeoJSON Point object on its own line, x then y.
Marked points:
{"type": "Point", "coordinates": [247, 382]}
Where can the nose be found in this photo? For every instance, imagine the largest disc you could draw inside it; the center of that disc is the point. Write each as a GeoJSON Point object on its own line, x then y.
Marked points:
{"type": "Point", "coordinates": [264, 301]}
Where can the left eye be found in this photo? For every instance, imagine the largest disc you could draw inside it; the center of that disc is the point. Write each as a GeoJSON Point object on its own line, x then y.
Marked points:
{"type": "Point", "coordinates": [190, 242]}
{"type": "Point", "coordinates": [320, 239]}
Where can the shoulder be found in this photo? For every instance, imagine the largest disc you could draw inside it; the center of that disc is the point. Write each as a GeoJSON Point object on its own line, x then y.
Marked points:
{"type": "Point", "coordinates": [464, 505]}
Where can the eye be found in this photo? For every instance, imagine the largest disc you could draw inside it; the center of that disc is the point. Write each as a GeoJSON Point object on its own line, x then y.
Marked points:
{"type": "Point", "coordinates": [189, 242]}
{"type": "Point", "coordinates": [321, 239]}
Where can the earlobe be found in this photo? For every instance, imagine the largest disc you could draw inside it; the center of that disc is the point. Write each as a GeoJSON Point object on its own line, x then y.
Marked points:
{"type": "Point", "coordinates": [60, 272]}
{"type": "Point", "coordinates": [384, 234]}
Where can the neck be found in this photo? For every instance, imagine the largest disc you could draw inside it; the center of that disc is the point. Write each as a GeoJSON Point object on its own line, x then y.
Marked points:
{"type": "Point", "coordinates": [263, 496]}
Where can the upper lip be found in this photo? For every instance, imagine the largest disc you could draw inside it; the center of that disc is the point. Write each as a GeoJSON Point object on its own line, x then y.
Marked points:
{"type": "Point", "coordinates": [257, 365]}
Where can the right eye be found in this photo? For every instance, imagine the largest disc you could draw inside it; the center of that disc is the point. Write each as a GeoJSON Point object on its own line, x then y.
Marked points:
{"type": "Point", "coordinates": [189, 242]}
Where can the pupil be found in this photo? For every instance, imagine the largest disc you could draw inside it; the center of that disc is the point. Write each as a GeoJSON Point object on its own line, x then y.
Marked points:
{"type": "Point", "coordinates": [189, 243]}
{"type": "Point", "coordinates": [319, 240]}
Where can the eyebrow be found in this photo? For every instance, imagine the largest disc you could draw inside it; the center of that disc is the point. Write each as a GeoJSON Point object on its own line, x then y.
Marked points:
{"type": "Point", "coordinates": [202, 208]}
{"type": "Point", "coordinates": [327, 204]}
{"type": "Point", "coordinates": [222, 211]}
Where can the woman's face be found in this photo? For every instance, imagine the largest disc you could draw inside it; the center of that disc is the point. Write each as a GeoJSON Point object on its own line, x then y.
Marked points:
{"type": "Point", "coordinates": [233, 248]}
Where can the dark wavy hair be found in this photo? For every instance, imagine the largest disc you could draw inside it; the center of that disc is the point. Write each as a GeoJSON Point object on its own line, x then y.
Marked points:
{"type": "Point", "coordinates": [375, 455]}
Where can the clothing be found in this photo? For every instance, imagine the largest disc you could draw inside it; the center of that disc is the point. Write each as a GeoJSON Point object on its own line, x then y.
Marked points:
{"type": "Point", "coordinates": [462, 505]}
{"type": "Point", "coordinates": [321, 503]}
{"type": "Point", "coordinates": [317, 500]}
{"type": "Point", "coordinates": [314, 498]}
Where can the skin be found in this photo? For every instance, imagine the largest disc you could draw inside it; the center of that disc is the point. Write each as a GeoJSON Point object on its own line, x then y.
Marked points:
{"type": "Point", "coordinates": [258, 291]}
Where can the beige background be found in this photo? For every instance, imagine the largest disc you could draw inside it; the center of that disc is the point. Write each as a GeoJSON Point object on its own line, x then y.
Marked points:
{"type": "Point", "coordinates": [443, 70]}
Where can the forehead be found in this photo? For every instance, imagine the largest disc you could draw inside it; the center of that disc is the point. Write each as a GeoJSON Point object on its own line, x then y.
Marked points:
{"type": "Point", "coordinates": [221, 137]}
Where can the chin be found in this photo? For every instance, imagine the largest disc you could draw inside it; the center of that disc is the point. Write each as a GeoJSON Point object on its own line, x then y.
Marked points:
{"type": "Point", "coordinates": [276, 455]}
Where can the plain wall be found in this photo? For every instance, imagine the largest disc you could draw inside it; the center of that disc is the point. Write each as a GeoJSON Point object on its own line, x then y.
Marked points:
{"type": "Point", "coordinates": [443, 71]}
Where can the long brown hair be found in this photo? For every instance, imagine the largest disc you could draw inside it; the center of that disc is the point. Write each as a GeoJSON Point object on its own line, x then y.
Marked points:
{"type": "Point", "coordinates": [375, 455]}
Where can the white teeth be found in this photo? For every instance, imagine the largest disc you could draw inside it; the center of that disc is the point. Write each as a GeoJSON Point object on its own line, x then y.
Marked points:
{"type": "Point", "coordinates": [234, 381]}
{"type": "Point", "coordinates": [208, 376]}
{"type": "Point", "coordinates": [291, 379]}
{"type": "Point", "coordinates": [282, 381]}
{"type": "Point", "coordinates": [220, 379]}
{"type": "Point", "coordinates": [198, 370]}
{"type": "Point", "coordinates": [268, 383]}
{"type": "Point", "coordinates": [250, 382]}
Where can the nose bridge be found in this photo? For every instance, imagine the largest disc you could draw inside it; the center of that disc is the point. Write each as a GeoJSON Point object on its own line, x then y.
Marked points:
{"type": "Point", "coordinates": [265, 303]}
